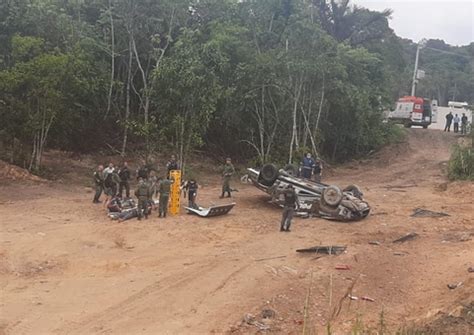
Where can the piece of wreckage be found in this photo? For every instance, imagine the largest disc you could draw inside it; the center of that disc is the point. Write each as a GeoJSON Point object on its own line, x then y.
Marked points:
{"type": "Point", "coordinates": [314, 199]}
{"type": "Point", "coordinates": [215, 210]}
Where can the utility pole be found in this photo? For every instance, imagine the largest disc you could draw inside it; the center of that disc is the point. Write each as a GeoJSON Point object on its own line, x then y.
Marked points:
{"type": "Point", "coordinates": [420, 45]}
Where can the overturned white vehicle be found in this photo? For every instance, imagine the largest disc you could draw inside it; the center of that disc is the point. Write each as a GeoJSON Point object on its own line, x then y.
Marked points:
{"type": "Point", "coordinates": [314, 199]}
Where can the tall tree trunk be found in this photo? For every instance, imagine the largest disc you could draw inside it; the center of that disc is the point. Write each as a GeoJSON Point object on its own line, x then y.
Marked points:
{"type": "Point", "coordinates": [112, 60]}
{"type": "Point", "coordinates": [127, 103]}
{"type": "Point", "coordinates": [320, 104]}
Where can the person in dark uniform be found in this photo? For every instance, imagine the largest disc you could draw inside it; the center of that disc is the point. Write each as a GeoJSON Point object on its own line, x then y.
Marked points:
{"type": "Point", "coordinates": [142, 172]}
{"type": "Point", "coordinates": [290, 204]}
{"type": "Point", "coordinates": [227, 174]}
{"type": "Point", "coordinates": [164, 189]}
{"type": "Point", "coordinates": [143, 194]}
{"type": "Point", "coordinates": [464, 124]}
{"type": "Point", "coordinates": [318, 170]}
{"type": "Point", "coordinates": [191, 188]}
{"type": "Point", "coordinates": [172, 165]}
{"type": "Point", "coordinates": [307, 166]}
{"type": "Point", "coordinates": [124, 175]}
{"type": "Point", "coordinates": [99, 183]}
{"type": "Point", "coordinates": [111, 185]}
{"type": "Point", "coordinates": [449, 119]}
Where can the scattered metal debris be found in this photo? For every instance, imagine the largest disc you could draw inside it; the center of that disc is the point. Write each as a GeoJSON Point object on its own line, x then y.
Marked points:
{"type": "Point", "coordinates": [328, 250]}
{"type": "Point", "coordinates": [454, 286]}
{"type": "Point", "coordinates": [407, 237]}
{"type": "Point", "coordinates": [251, 320]}
{"type": "Point", "coordinates": [268, 313]}
{"type": "Point", "coordinates": [211, 211]}
{"type": "Point", "coordinates": [268, 258]}
{"type": "Point", "coordinates": [425, 213]}
{"type": "Point", "coordinates": [367, 299]}
{"type": "Point", "coordinates": [342, 267]}
{"type": "Point", "coordinates": [399, 253]}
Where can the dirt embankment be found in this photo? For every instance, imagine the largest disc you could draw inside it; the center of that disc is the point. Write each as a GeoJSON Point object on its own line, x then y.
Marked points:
{"type": "Point", "coordinates": [65, 268]}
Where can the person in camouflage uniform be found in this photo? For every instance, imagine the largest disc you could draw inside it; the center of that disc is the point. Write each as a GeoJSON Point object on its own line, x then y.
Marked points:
{"type": "Point", "coordinates": [124, 174]}
{"type": "Point", "coordinates": [164, 189]}
{"type": "Point", "coordinates": [229, 170]}
{"type": "Point", "coordinates": [143, 194]}
{"type": "Point", "coordinates": [98, 183]}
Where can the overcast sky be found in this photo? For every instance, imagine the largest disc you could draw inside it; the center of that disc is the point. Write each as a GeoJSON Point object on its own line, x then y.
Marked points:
{"type": "Point", "coordinates": [449, 20]}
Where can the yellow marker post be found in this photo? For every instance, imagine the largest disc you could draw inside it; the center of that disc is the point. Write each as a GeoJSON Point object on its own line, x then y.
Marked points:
{"type": "Point", "coordinates": [173, 206]}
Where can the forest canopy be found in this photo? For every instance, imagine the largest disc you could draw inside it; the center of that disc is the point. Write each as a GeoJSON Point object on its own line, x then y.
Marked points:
{"type": "Point", "coordinates": [263, 80]}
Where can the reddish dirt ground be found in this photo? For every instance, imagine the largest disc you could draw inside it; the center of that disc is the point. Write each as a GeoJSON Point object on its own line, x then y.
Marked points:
{"type": "Point", "coordinates": [67, 269]}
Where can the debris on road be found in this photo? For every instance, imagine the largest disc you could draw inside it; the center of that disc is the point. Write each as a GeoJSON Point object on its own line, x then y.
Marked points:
{"type": "Point", "coordinates": [425, 213]}
{"type": "Point", "coordinates": [374, 242]}
{"type": "Point", "coordinates": [399, 253]}
{"type": "Point", "coordinates": [367, 299]}
{"type": "Point", "coordinates": [268, 313]}
{"type": "Point", "coordinates": [470, 269]}
{"type": "Point", "coordinates": [328, 250]}
{"type": "Point", "coordinates": [454, 286]}
{"type": "Point", "coordinates": [268, 258]}
{"type": "Point", "coordinates": [407, 237]}
{"type": "Point", "coordinates": [211, 211]}
{"type": "Point", "coordinates": [250, 320]}
{"type": "Point", "coordinates": [342, 267]}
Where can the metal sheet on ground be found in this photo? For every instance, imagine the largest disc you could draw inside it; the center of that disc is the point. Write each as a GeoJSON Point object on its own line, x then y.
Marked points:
{"type": "Point", "coordinates": [211, 211]}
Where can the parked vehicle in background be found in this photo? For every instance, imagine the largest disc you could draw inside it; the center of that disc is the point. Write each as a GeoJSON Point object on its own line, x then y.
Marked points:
{"type": "Point", "coordinates": [412, 111]}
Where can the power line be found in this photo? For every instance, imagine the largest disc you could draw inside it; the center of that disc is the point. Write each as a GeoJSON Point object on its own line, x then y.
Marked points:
{"type": "Point", "coordinates": [449, 52]}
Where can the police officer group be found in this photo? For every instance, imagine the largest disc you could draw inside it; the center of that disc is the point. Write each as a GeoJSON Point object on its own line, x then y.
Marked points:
{"type": "Point", "coordinates": [113, 181]}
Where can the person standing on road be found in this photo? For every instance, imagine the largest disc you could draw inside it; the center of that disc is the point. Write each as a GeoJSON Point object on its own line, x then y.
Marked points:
{"type": "Point", "coordinates": [191, 188]}
{"type": "Point", "coordinates": [99, 183]}
{"type": "Point", "coordinates": [143, 194]}
{"type": "Point", "coordinates": [124, 175]}
{"type": "Point", "coordinates": [109, 169]}
{"type": "Point", "coordinates": [464, 124]}
{"type": "Point", "coordinates": [290, 204]}
{"type": "Point", "coordinates": [227, 174]}
{"type": "Point", "coordinates": [318, 170]}
{"type": "Point", "coordinates": [307, 166]}
{"type": "Point", "coordinates": [449, 119]}
{"type": "Point", "coordinates": [456, 120]}
{"type": "Point", "coordinates": [164, 190]}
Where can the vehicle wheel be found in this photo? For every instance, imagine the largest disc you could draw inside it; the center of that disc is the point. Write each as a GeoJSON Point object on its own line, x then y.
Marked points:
{"type": "Point", "coordinates": [355, 190]}
{"type": "Point", "coordinates": [269, 173]}
{"type": "Point", "coordinates": [291, 169]}
{"type": "Point", "coordinates": [332, 195]}
{"type": "Point", "coordinates": [407, 125]}
{"type": "Point", "coordinates": [425, 127]}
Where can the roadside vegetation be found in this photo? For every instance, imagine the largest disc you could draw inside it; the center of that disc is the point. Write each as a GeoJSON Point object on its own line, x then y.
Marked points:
{"type": "Point", "coordinates": [258, 80]}
{"type": "Point", "coordinates": [461, 164]}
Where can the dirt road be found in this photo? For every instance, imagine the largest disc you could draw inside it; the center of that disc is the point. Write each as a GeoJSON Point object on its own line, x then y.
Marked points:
{"type": "Point", "coordinates": [66, 269]}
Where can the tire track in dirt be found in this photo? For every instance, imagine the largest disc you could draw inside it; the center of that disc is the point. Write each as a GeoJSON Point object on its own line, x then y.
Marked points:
{"type": "Point", "coordinates": [131, 305]}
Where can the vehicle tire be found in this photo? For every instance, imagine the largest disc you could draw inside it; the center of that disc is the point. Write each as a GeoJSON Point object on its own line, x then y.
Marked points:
{"type": "Point", "coordinates": [291, 169]}
{"type": "Point", "coordinates": [407, 125]}
{"type": "Point", "coordinates": [425, 127]}
{"type": "Point", "coordinates": [269, 173]}
{"type": "Point", "coordinates": [355, 190]}
{"type": "Point", "coordinates": [332, 195]}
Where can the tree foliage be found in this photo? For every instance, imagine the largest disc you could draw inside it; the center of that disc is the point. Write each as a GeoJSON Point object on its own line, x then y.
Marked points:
{"type": "Point", "coordinates": [263, 80]}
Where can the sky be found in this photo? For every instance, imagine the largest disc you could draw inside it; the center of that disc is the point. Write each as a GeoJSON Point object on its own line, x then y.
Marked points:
{"type": "Point", "coordinates": [449, 20]}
